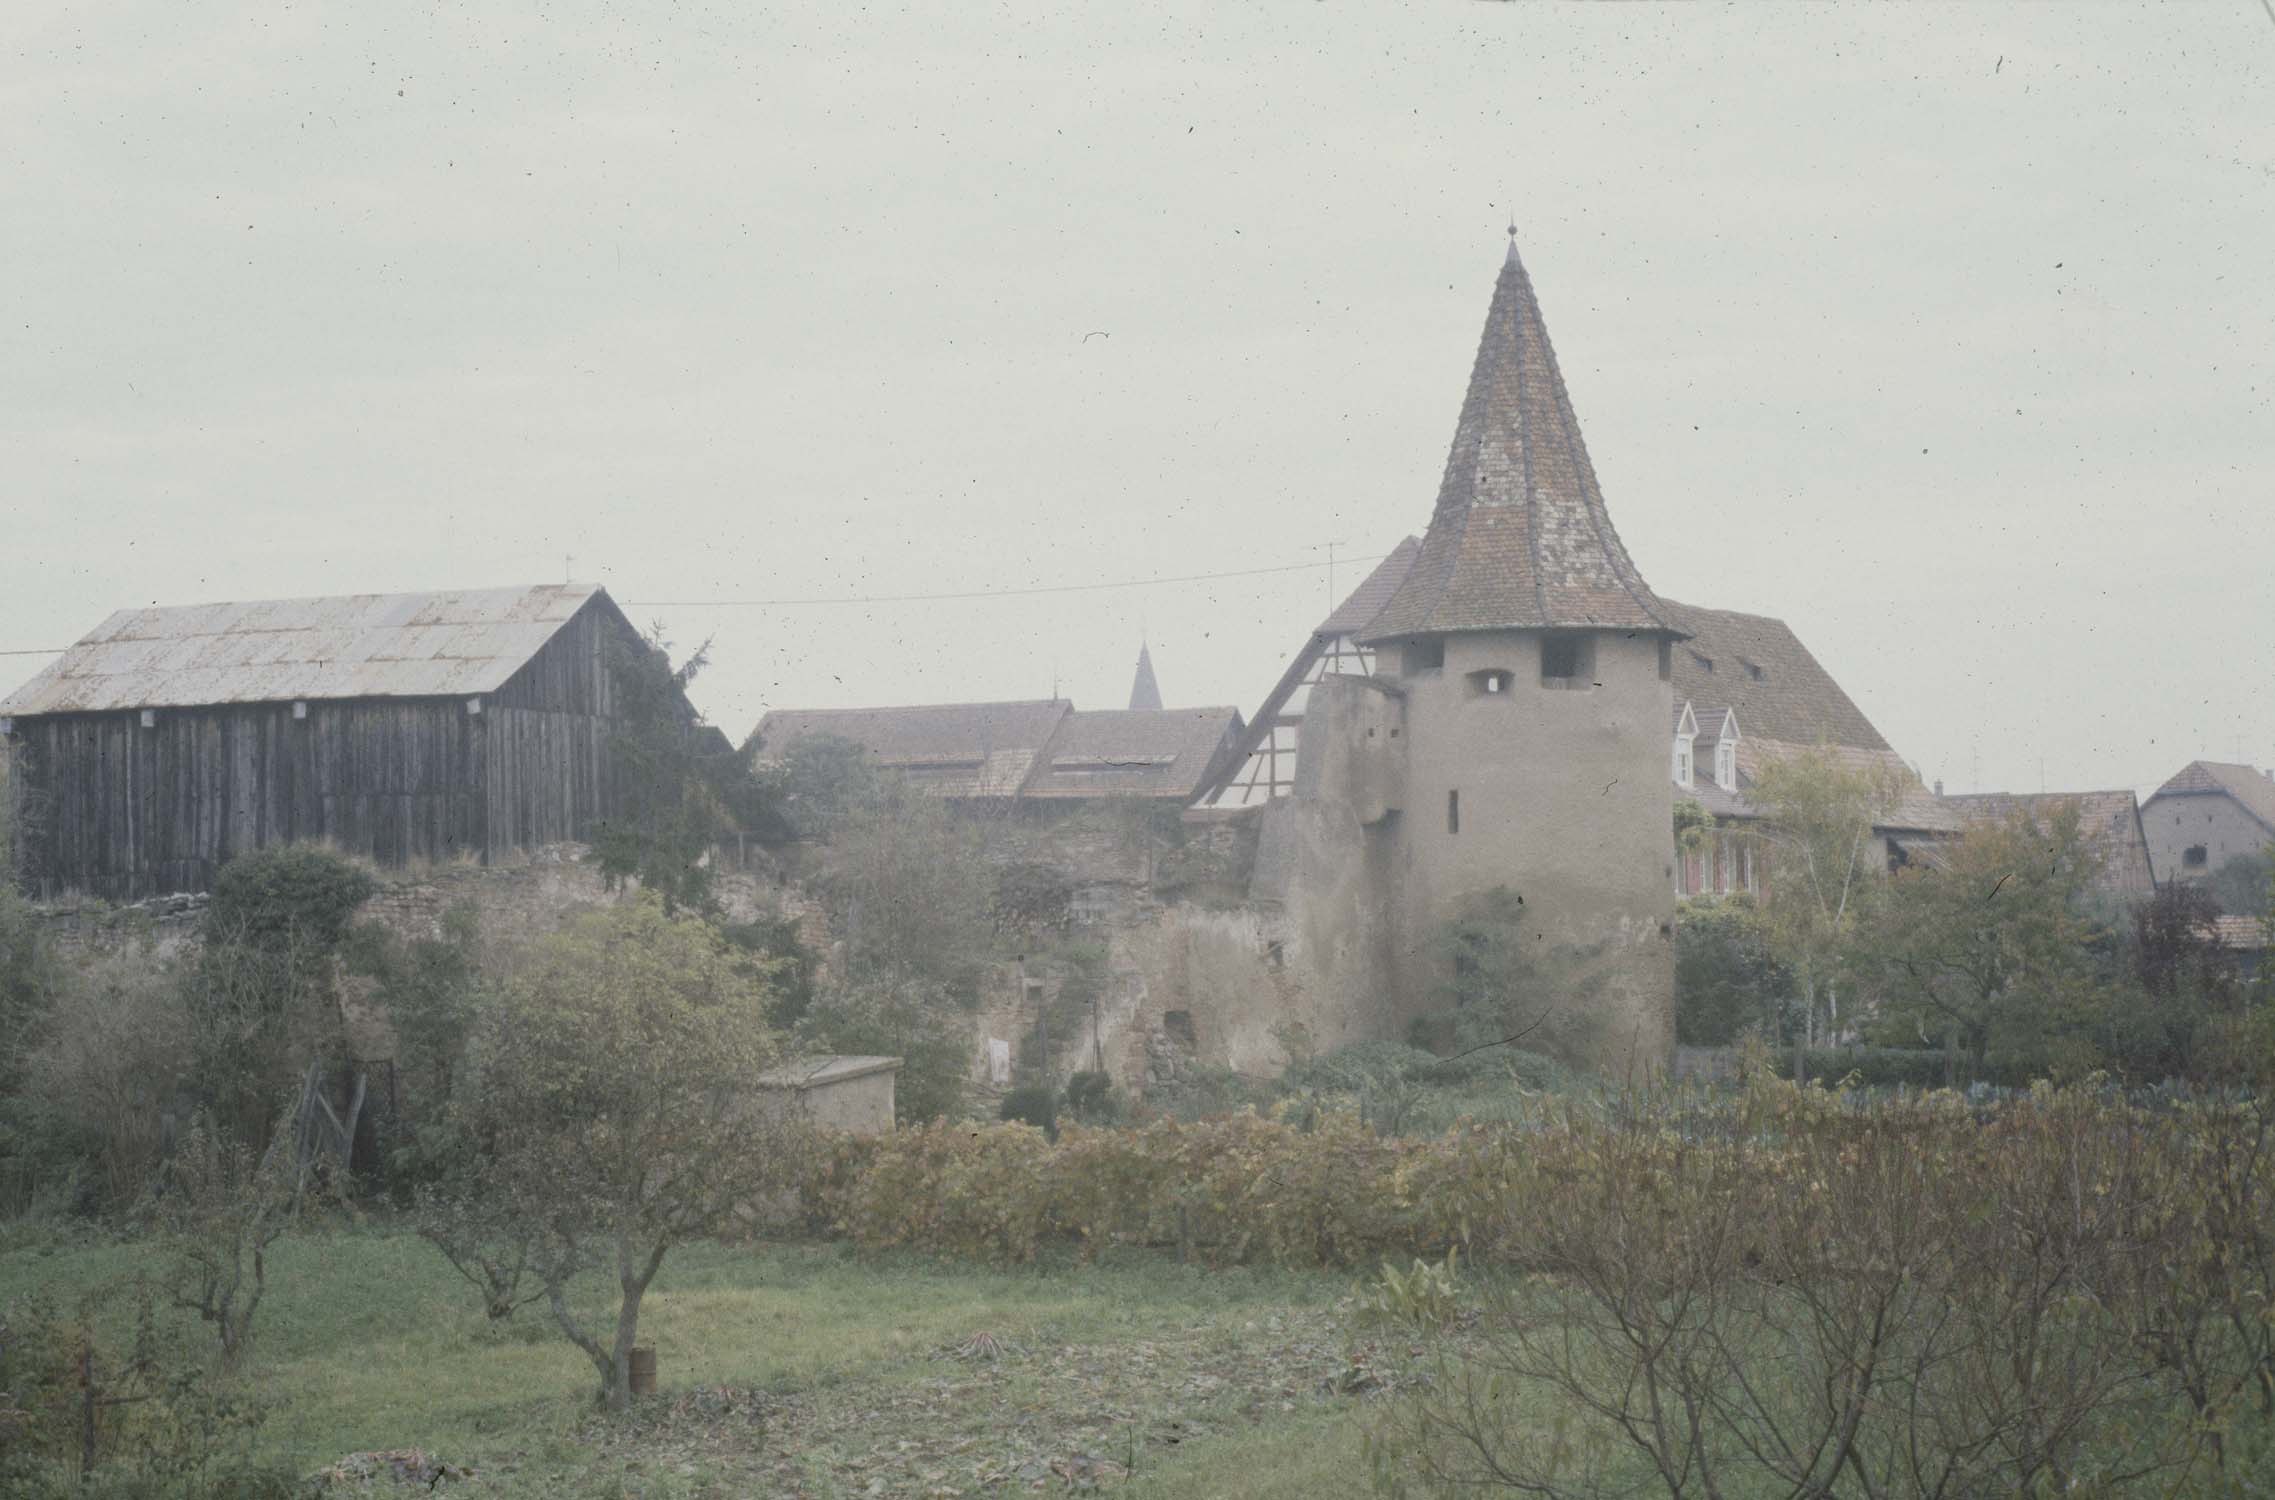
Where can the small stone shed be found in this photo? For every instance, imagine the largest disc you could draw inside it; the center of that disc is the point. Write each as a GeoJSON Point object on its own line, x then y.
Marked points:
{"type": "Point", "coordinates": [839, 1093]}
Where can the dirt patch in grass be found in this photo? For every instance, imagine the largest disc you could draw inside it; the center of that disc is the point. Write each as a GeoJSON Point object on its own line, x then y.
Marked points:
{"type": "Point", "coordinates": [989, 1413]}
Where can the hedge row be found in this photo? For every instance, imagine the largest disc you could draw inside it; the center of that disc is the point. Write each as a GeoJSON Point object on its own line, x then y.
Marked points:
{"type": "Point", "coordinates": [1229, 1190]}
{"type": "Point", "coordinates": [1250, 1188]}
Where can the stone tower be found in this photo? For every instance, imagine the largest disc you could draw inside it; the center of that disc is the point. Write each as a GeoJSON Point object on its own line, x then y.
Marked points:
{"type": "Point", "coordinates": [1534, 663]}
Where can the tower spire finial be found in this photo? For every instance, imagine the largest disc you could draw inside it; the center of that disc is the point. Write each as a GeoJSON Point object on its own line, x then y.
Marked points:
{"type": "Point", "coordinates": [1512, 234]}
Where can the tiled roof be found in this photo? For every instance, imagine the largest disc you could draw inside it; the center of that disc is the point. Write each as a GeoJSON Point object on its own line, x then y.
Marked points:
{"type": "Point", "coordinates": [431, 645]}
{"type": "Point", "coordinates": [1363, 603]}
{"type": "Point", "coordinates": [1145, 691]}
{"type": "Point", "coordinates": [2252, 790]}
{"type": "Point", "coordinates": [1758, 666]}
{"type": "Point", "coordinates": [1135, 753]}
{"type": "Point", "coordinates": [955, 749]}
{"type": "Point", "coordinates": [1042, 749]}
{"type": "Point", "coordinates": [1916, 809]}
{"type": "Point", "coordinates": [1715, 723]}
{"type": "Point", "coordinates": [1520, 538]}
{"type": "Point", "coordinates": [2111, 820]}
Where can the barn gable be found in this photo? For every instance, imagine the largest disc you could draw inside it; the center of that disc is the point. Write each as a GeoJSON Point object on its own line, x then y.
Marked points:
{"type": "Point", "coordinates": [401, 728]}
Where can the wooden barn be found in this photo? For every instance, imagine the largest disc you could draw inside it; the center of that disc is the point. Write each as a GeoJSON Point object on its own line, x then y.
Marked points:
{"type": "Point", "coordinates": [401, 727]}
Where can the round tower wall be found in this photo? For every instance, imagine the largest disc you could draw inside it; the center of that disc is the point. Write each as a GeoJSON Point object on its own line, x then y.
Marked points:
{"type": "Point", "coordinates": [1557, 789]}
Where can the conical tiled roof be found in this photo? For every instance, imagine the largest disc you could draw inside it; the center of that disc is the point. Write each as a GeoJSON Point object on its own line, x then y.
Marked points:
{"type": "Point", "coordinates": [1519, 540]}
{"type": "Point", "coordinates": [1144, 691]}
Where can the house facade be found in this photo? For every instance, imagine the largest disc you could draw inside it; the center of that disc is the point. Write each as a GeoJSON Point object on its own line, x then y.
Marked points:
{"type": "Point", "coordinates": [2207, 814]}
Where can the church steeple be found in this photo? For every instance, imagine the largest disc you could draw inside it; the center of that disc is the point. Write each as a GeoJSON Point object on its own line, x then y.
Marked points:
{"type": "Point", "coordinates": [1520, 539]}
{"type": "Point", "coordinates": [1144, 691]}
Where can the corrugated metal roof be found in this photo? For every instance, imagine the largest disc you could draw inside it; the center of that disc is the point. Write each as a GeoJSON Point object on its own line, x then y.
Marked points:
{"type": "Point", "coordinates": [432, 645]}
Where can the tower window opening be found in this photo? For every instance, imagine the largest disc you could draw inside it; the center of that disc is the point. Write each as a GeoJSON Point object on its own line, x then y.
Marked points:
{"type": "Point", "coordinates": [2195, 857]}
{"type": "Point", "coordinates": [1566, 660]}
{"type": "Point", "coordinates": [1493, 683]}
{"type": "Point", "coordinates": [1453, 812]}
{"type": "Point", "coordinates": [1417, 657]}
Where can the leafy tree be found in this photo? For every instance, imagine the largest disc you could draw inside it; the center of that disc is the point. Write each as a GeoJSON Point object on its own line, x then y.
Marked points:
{"type": "Point", "coordinates": [2175, 1019]}
{"type": "Point", "coordinates": [911, 893]}
{"type": "Point", "coordinates": [1728, 979]}
{"type": "Point", "coordinates": [1817, 833]}
{"type": "Point", "coordinates": [904, 1015]}
{"type": "Point", "coordinates": [2240, 886]}
{"type": "Point", "coordinates": [678, 785]}
{"type": "Point", "coordinates": [614, 1109]}
{"type": "Point", "coordinates": [1993, 947]}
{"type": "Point", "coordinates": [820, 784]}
{"type": "Point", "coordinates": [430, 990]}
{"type": "Point", "coordinates": [220, 1207]}
{"type": "Point", "coordinates": [261, 997]}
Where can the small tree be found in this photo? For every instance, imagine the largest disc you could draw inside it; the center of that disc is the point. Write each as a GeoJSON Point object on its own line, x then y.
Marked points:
{"type": "Point", "coordinates": [614, 1104]}
{"type": "Point", "coordinates": [2239, 887]}
{"type": "Point", "coordinates": [1817, 829]}
{"type": "Point", "coordinates": [1993, 946]}
{"type": "Point", "coordinates": [820, 784]}
{"type": "Point", "coordinates": [677, 782]}
{"type": "Point", "coordinates": [220, 1205]}
{"type": "Point", "coordinates": [911, 893]}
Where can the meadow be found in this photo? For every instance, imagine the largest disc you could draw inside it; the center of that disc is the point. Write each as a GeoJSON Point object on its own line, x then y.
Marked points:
{"type": "Point", "coordinates": [801, 1369]}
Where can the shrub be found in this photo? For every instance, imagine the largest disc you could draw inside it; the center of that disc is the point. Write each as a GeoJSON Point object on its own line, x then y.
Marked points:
{"type": "Point", "coordinates": [1791, 1294]}
{"type": "Point", "coordinates": [1031, 1104]}
{"type": "Point", "coordinates": [90, 1416]}
{"type": "Point", "coordinates": [106, 1082]}
{"type": "Point", "coordinates": [1091, 1099]}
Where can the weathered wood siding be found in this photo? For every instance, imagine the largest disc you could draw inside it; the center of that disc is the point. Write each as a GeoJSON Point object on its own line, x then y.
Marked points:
{"type": "Point", "coordinates": [118, 811]}
{"type": "Point", "coordinates": [110, 809]}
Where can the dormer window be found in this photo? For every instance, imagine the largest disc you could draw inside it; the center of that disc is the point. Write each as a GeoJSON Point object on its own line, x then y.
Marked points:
{"type": "Point", "coordinates": [1683, 771]}
{"type": "Point", "coordinates": [1704, 663]}
{"type": "Point", "coordinates": [1726, 765]}
{"type": "Point", "coordinates": [1753, 669]}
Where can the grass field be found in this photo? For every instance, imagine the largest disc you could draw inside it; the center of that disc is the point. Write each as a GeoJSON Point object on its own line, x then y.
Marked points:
{"type": "Point", "coordinates": [806, 1370]}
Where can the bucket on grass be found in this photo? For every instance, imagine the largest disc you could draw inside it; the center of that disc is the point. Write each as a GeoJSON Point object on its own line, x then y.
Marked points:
{"type": "Point", "coordinates": [642, 1370]}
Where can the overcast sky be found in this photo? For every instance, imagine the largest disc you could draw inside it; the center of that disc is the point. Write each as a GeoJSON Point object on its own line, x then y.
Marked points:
{"type": "Point", "coordinates": [1945, 333]}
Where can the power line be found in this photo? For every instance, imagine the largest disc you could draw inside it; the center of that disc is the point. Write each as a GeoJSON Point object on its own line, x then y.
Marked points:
{"type": "Point", "coordinates": [1048, 588]}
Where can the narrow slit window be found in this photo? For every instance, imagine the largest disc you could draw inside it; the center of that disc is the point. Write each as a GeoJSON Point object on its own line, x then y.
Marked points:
{"type": "Point", "coordinates": [1453, 812]}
